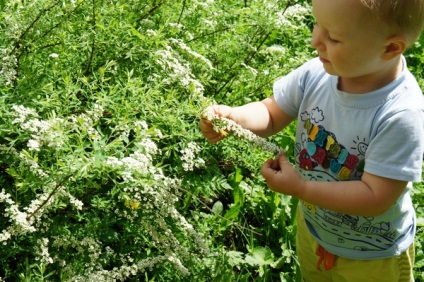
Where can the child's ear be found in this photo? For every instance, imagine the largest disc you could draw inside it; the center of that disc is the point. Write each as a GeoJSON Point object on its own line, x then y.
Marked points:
{"type": "Point", "coordinates": [395, 46]}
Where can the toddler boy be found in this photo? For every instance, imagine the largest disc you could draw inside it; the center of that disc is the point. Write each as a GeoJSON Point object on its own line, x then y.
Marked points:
{"type": "Point", "coordinates": [359, 141]}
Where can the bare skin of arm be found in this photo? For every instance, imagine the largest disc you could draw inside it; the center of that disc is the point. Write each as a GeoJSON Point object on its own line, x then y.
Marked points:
{"type": "Point", "coordinates": [263, 118]}
{"type": "Point", "coordinates": [370, 196]}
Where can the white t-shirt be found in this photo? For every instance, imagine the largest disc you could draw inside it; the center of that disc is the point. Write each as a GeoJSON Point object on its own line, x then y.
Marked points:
{"type": "Point", "coordinates": [341, 135]}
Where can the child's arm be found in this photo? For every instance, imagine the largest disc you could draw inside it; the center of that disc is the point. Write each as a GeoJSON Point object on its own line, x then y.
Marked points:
{"type": "Point", "coordinates": [370, 196]}
{"type": "Point", "coordinates": [263, 118]}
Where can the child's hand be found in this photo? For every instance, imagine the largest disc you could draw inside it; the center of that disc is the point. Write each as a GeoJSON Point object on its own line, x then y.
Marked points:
{"type": "Point", "coordinates": [282, 177]}
{"type": "Point", "coordinates": [207, 128]}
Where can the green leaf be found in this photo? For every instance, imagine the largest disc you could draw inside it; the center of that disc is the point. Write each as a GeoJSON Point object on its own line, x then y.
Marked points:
{"type": "Point", "coordinates": [420, 221]}
{"type": "Point", "coordinates": [238, 195]}
{"type": "Point", "coordinates": [217, 208]}
{"type": "Point", "coordinates": [233, 212]}
{"type": "Point", "coordinates": [260, 256]}
{"type": "Point", "coordinates": [235, 258]}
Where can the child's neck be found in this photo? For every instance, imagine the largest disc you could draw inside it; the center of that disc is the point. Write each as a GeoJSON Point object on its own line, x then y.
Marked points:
{"type": "Point", "coordinates": [371, 82]}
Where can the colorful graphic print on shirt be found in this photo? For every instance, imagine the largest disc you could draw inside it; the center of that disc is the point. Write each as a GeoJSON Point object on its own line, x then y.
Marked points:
{"type": "Point", "coordinates": [321, 157]}
{"type": "Point", "coordinates": [323, 149]}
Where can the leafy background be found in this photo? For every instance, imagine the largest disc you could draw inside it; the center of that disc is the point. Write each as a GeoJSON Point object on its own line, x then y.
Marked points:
{"type": "Point", "coordinates": [104, 173]}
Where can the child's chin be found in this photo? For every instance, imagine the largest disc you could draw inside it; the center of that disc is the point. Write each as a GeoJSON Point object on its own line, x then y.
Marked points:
{"type": "Point", "coordinates": [329, 69]}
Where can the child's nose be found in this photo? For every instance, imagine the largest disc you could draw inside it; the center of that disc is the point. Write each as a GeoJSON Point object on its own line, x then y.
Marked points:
{"type": "Point", "coordinates": [317, 41]}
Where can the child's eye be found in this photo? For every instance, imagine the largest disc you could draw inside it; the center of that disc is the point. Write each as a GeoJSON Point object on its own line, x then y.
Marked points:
{"type": "Point", "coordinates": [332, 41]}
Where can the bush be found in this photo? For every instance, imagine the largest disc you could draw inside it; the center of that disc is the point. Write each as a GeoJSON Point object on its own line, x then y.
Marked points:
{"type": "Point", "coordinates": [104, 174]}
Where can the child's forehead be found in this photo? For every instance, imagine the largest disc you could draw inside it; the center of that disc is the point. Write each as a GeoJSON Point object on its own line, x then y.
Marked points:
{"type": "Point", "coordinates": [340, 15]}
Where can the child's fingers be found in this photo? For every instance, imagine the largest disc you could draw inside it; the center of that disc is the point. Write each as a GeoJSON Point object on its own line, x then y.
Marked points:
{"type": "Point", "coordinates": [282, 160]}
{"type": "Point", "coordinates": [219, 110]}
{"type": "Point", "coordinates": [207, 127]}
{"type": "Point", "coordinates": [270, 167]}
{"type": "Point", "coordinates": [208, 131]}
{"type": "Point", "coordinates": [207, 112]}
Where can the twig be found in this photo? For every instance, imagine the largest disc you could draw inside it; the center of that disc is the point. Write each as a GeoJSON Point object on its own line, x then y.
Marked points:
{"type": "Point", "coordinates": [209, 33]}
{"type": "Point", "coordinates": [48, 198]}
{"type": "Point", "coordinates": [182, 11]}
{"type": "Point", "coordinates": [90, 61]}
{"type": "Point", "coordinates": [151, 11]}
{"type": "Point", "coordinates": [37, 18]}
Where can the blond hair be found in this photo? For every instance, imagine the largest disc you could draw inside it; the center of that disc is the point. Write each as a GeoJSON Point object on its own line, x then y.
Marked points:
{"type": "Point", "coordinates": [402, 17]}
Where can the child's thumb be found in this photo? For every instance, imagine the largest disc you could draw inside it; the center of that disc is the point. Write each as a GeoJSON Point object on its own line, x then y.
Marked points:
{"type": "Point", "coordinates": [282, 159]}
{"type": "Point", "coordinates": [222, 110]}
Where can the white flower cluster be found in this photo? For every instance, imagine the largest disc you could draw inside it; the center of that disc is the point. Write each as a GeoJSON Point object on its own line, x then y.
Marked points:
{"type": "Point", "coordinates": [176, 70]}
{"type": "Point", "coordinates": [125, 271]}
{"type": "Point", "coordinates": [74, 201]}
{"type": "Point", "coordinates": [253, 71]}
{"type": "Point", "coordinates": [181, 44]}
{"type": "Point", "coordinates": [33, 165]}
{"type": "Point", "coordinates": [87, 246]}
{"type": "Point", "coordinates": [93, 248]}
{"type": "Point", "coordinates": [276, 50]}
{"type": "Point", "coordinates": [51, 132]}
{"type": "Point", "coordinates": [136, 164]}
{"type": "Point", "coordinates": [42, 251]}
{"type": "Point", "coordinates": [147, 189]}
{"type": "Point", "coordinates": [189, 157]}
{"type": "Point", "coordinates": [292, 16]}
{"type": "Point", "coordinates": [187, 226]}
{"type": "Point", "coordinates": [177, 262]}
{"type": "Point", "coordinates": [88, 119]}
{"type": "Point", "coordinates": [8, 66]}
{"type": "Point", "coordinates": [22, 113]}
{"type": "Point", "coordinates": [238, 131]}
{"type": "Point", "coordinates": [21, 224]}
{"type": "Point", "coordinates": [44, 200]}
{"type": "Point", "coordinates": [48, 132]}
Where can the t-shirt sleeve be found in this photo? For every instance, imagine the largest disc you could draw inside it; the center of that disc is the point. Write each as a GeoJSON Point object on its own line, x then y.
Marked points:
{"type": "Point", "coordinates": [396, 151]}
{"type": "Point", "coordinates": [289, 90]}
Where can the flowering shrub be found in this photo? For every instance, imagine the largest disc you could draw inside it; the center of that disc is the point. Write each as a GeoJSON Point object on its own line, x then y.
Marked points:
{"type": "Point", "coordinates": [104, 174]}
{"type": "Point", "coordinates": [112, 178]}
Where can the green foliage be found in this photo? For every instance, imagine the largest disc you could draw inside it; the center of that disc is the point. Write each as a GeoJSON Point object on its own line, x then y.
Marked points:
{"type": "Point", "coordinates": [418, 196]}
{"type": "Point", "coordinates": [104, 174]}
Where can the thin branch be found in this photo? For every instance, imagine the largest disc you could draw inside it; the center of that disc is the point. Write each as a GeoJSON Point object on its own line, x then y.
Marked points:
{"type": "Point", "coordinates": [209, 33]}
{"type": "Point", "coordinates": [93, 42]}
{"type": "Point", "coordinates": [65, 17]}
{"type": "Point", "coordinates": [151, 11]}
{"type": "Point", "coordinates": [18, 57]}
{"type": "Point", "coordinates": [182, 11]}
{"type": "Point", "coordinates": [50, 45]}
{"type": "Point", "coordinates": [37, 18]}
{"type": "Point", "coordinates": [49, 197]}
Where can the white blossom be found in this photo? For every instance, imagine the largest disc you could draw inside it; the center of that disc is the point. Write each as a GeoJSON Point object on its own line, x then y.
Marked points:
{"type": "Point", "coordinates": [21, 113]}
{"type": "Point", "coordinates": [238, 131]}
{"type": "Point", "coordinates": [149, 146]}
{"type": "Point", "coordinates": [43, 251]}
{"type": "Point", "coordinates": [8, 66]}
{"type": "Point", "coordinates": [33, 145]}
{"type": "Point", "coordinates": [190, 161]}
{"type": "Point", "coordinates": [292, 17]}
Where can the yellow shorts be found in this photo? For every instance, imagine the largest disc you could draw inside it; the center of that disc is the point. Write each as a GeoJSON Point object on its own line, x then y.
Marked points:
{"type": "Point", "coordinates": [398, 268]}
